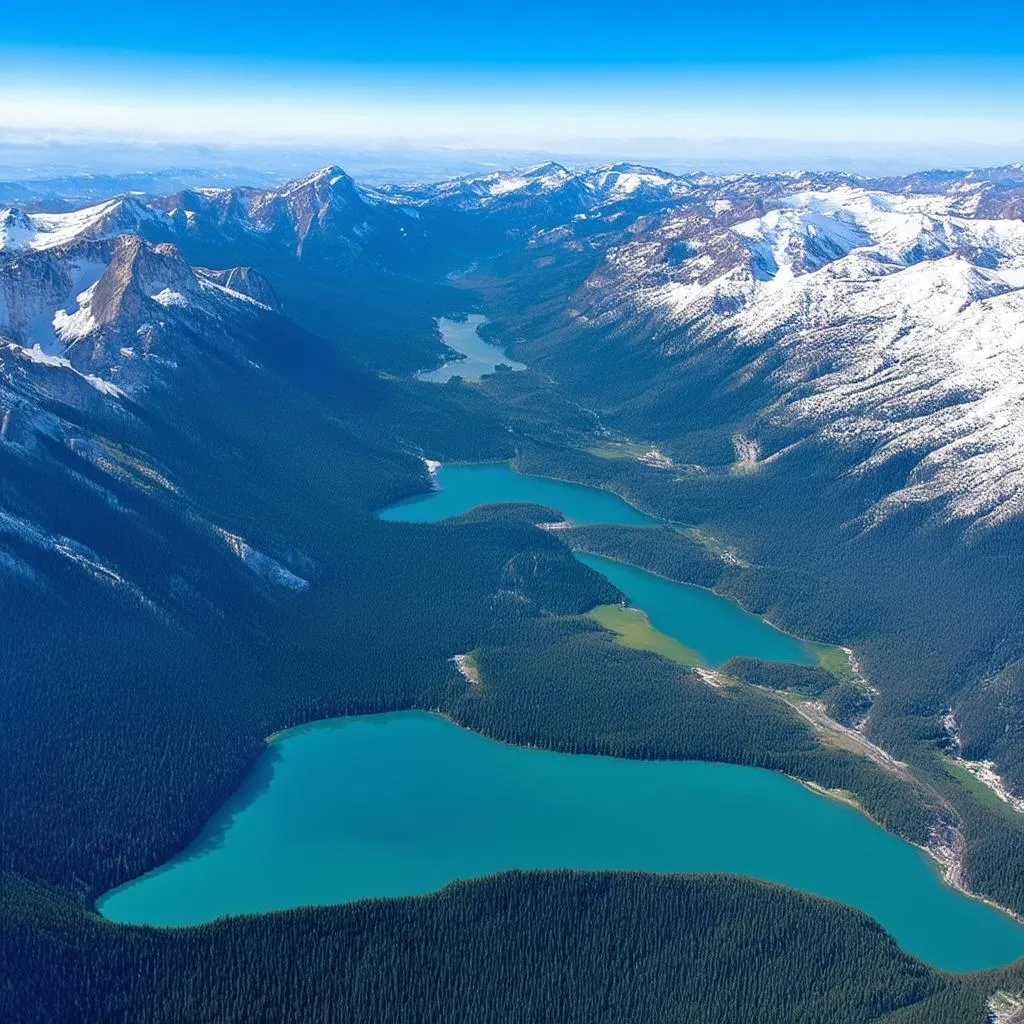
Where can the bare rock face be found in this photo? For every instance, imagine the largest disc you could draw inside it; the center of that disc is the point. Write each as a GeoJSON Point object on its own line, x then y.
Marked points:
{"type": "Point", "coordinates": [120, 310]}
{"type": "Point", "coordinates": [137, 276]}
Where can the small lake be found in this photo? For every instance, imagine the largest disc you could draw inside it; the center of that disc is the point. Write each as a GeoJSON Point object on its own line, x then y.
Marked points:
{"type": "Point", "coordinates": [401, 804]}
{"type": "Point", "coordinates": [713, 626]}
{"type": "Point", "coordinates": [717, 628]}
{"type": "Point", "coordinates": [460, 488]}
{"type": "Point", "coordinates": [479, 357]}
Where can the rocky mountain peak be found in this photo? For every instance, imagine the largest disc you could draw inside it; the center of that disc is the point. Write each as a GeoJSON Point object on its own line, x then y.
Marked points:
{"type": "Point", "coordinates": [139, 273]}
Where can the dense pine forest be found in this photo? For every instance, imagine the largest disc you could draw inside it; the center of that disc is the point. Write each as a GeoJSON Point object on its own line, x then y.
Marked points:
{"type": "Point", "coordinates": [150, 748]}
{"type": "Point", "coordinates": [140, 708]}
{"type": "Point", "coordinates": [554, 947]}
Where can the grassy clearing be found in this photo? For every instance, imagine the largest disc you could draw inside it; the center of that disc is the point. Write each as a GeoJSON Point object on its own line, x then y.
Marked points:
{"type": "Point", "coordinates": [834, 660]}
{"type": "Point", "coordinates": [468, 666]}
{"type": "Point", "coordinates": [714, 546]}
{"type": "Point", "coordinates": [977, 788]}
{"type": "Point", "coordinates": [619, 450]}
{"type": "Point", "coordinates": [634, 630]}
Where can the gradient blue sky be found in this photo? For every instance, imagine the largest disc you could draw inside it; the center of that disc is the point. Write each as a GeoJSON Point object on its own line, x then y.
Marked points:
{"type": "Point", "coordinates": [506, 74]}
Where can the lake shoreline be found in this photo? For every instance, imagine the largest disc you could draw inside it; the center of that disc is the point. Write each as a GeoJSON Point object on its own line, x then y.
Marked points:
{"type": "Point", "coordinates": [557, 527]}
{"type": "Point", "coordinates": [947, 857]}
{"type": "Point", "coordinates": [472, 756]}
{"type": "Point", "coordinates": [950, 863]}
{"type": "Point", "coordinates": [478, 357]}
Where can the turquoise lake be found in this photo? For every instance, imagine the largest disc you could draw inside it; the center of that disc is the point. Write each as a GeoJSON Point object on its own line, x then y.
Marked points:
{"type": "Point", "coordinates": [401, 804]}
{"type": "Point", "coordinates": [478, 357]}
{"type": "Point", "coordinates": [461, 488]}
{"type": "Point", "coordinates": [715, 627]}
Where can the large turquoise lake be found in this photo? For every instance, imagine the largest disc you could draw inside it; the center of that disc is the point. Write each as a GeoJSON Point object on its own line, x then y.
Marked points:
{"type": "Point", "coordinates": [400, 804]}
{"type": "Point", "coordinates": [460, 488]}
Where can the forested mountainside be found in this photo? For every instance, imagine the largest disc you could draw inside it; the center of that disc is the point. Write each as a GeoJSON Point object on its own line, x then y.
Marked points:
{"type": "Point", "coordinates": [204, 399]}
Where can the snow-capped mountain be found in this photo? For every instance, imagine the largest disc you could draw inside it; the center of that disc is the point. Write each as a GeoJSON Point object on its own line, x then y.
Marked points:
{"type": "Point", "coordinates": [118, 361]}
{"type": "Point", "coordinates": [547, 194]}
{"type": "Point", "coordinates": [39, 231]}
{"type": "Point", "coordinates": [886, 323]}
{"type": "Point", "coordinates": [630, 182]}
{"type": "Point", "coordinates": [323, 215]}
{"type": "Point", "coordinates": [327, 245]}
{"type": "Point", "coordinates": [479, 191]}
{"type": "Point", "coordinates": [884, 317]}
{"type": "Point", "coordinates": [117, 308]}
{"type": "Point", "coordinates": [991, 192]}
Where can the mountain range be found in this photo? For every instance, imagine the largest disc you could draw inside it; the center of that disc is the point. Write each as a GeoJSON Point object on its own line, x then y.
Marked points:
{"type": "Point", "coordinates": [881, 317]}
{"type": "Point", "coordinates": [814, 379]}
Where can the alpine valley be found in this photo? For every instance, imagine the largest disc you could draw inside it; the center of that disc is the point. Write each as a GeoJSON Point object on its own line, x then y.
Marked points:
{"type": "Point", "coordinates": [806, 388]}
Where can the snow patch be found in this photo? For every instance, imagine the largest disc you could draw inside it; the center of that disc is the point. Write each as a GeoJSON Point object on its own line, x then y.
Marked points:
{"type": "Point", "coordinates": [170, 297]}
{"type": "Point", "coordinates": [36, 355]}
{"type": "Point", "coordinates": [262, 564]}
{"type": "Point", "coordinates": [105, 387]}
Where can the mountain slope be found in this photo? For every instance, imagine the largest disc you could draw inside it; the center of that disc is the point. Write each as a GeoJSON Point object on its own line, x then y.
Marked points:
{"type": "Point", "coordinates": [880, 323]}
{"type": "Point", "coordinates": [189, 558]}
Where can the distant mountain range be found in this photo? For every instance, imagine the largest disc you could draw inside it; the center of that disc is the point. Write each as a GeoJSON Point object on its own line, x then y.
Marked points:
{"type": "Point", "coordinates": [884, 316]}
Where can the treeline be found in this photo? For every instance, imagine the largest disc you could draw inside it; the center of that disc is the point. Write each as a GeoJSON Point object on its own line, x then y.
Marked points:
{"type": "Point", "coordinates": [990, 720]}
{"type": "Point", "coordinates": [557, 947]}
{"type": "Point", "coordinates": [845, 701]}
{"type": "Point", "coordinates": [664, 550]}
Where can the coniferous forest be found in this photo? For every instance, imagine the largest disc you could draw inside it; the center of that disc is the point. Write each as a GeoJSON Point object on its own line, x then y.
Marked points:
{"type": "Point", "coordinates": [547, 946]}
{"type": "Point", "coordinates": [229, 578]}
{"type": "Point", "coordinates": [112, 762]}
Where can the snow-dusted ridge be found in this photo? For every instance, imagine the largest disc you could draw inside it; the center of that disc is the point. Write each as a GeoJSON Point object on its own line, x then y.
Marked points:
{"type": "Point", "coordinates": [900, 324]}
{"type": "Point", "coordinates": [127, 298]}
{"type": "Point", "coordinates": [40, 231]}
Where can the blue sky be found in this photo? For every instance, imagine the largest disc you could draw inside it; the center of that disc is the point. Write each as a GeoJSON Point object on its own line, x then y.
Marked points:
{"type": "Point", "coordinates": [598, 32]}
{"type": "Point", "coordinates": [900, 74]}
